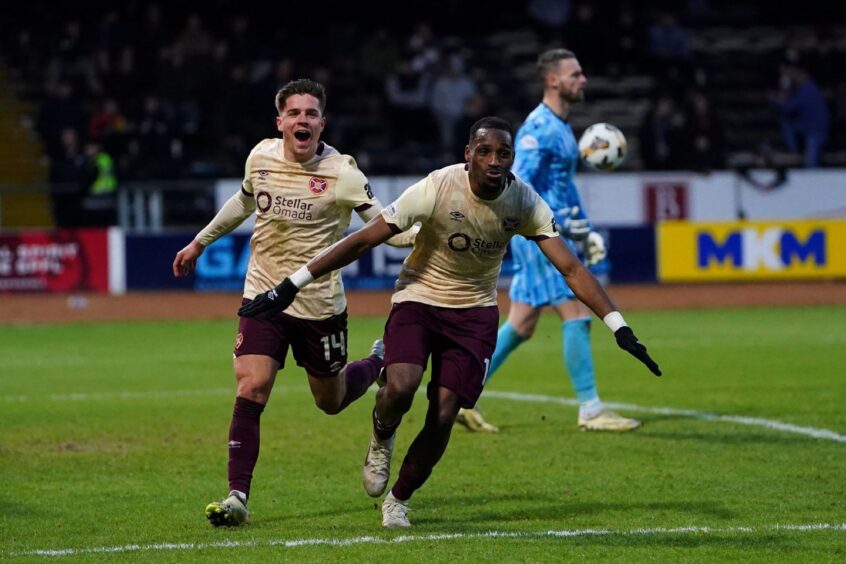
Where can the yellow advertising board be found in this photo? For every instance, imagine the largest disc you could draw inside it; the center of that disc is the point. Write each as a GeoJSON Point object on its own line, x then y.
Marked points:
{"type": "Point", "coordinates": [751, 250]}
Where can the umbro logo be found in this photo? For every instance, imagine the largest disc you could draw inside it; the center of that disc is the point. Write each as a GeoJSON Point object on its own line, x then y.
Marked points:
{"type": "Point", "coordinates": [234, 444]}
{"type": "Point", "coordinates": [456, 215]}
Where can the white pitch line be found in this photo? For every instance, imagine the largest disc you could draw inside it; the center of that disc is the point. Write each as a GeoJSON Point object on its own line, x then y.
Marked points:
{"type": "Point", "coordinates": [771, 424]}
{"type": "Point", "coordinates": [703, 415]}
{"type": "Point", "coordinates": [296, 543]}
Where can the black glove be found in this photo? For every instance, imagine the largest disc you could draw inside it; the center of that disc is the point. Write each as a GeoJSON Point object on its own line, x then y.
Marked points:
{"type": "Point", "coordinates": [272, 302]}
{"type": "Point", "coordinates": [627, 341]}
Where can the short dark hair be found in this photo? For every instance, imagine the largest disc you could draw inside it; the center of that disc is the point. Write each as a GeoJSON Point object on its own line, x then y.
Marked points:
{"type": "Point", "coordinates": [491, 122]}
{"type": "Point", "coordinates": [548, 60]}
{"type": "Point", "coordinates": [301, 86]}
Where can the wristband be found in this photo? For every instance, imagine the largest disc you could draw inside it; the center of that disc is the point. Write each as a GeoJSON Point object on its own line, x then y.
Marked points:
{"type": "Point", "coordinates": [614, 321]}
{"type": "Point", "coordinates": [301, 278]}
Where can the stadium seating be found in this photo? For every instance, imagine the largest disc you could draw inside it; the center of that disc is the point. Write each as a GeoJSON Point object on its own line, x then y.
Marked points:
{"type": "Point", "coordinates": [195, 88]}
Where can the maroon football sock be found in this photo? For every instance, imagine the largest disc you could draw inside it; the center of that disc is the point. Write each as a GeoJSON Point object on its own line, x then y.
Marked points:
{"type": "Point", "coordinates": [411, 477]}
{"type": "Point", "coordinates": [425, 451]}
{"type": "Point", "coordinates": [359, 376]}
{"type": "Point", "coordinates": [243, 443]}
{"type": "Point", "coordinates": [382, 430]}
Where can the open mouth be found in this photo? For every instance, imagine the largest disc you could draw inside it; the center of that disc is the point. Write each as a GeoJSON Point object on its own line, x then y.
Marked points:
{"type": "Point", "coordinates": [302, 135]}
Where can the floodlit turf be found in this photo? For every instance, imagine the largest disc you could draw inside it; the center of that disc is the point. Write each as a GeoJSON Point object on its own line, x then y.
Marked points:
{"type": "Point", "coordinates": [113, 439]}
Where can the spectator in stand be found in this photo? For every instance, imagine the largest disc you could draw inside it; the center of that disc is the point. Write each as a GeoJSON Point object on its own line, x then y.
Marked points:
{"type": "Point", "coordinates": [589, 35]}
{"type": "Point", "coordinates": [60, 111]}
{"type": "Point", "coordinates": [67, 177]}
{"type": "Point", "coordinates": [626, 51]}
{"type": "Point", "coordinates": [178, 88]}
{"type": "Point", "coordinates": [67, 59]}
{"type": "Point", "coordinates": [152, 35]}
{"type": "Point", "coordinates": [827, 67]}
{"type": "Point", "coordinates": [108, 121]}
{"type": "Point", "coordinates": [241, 41]}
{"type": "Point", "coordinates": [551, 16]}
{"type": "Point", "coordinates": [99, 203]}
{"type": "Point", "coordinates": [73, 62]}
{"type": "Point", "coordinates": [113, 30]}
{"type": "Point", "coordinates": [703, 134]}
{"type": "Point", "coordinates": [123, 78]}
{"type": "Point", "coordinates": [661, 136]}
{"type": "Point", "coordinates": [475, 109]}
{"type": "Point", "coordinates": [451, 92]}
{"type": "Point", "coordinates": [83, 184]}
{"type": "Point", "coordinates": [424, 48]}
{"type": "Point", "coordinates": [149, 147]}
{"type": "Point", "coordinates": [669, 52]}
{"type": "Point", "coordinates": [803, 114]}
{"type": "Point", "coordinates": [407, 92]}
{"type": "Point", "coordinates": [379, 56]}
{"type": "Point", "coordinates": [668, 40]}
{"type": "Point", "coordinates": [195, 40]}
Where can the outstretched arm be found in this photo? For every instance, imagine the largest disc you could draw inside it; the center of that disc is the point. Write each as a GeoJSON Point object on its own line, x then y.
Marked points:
{"type": "Point", "coordinates": [591, 293]}
{"type": "Point", "coordinates": [579, 278]}
{"type": "Point", "coordinates": [404, 239]}
{"type": "Point", "coordinates": [348, 249]}
{"type": "Point", "coordinates": [345, 251]}
{"type": "Point", "coordinates": [233, 213]}
{"type": "Point", "coordinates": [186, 259]}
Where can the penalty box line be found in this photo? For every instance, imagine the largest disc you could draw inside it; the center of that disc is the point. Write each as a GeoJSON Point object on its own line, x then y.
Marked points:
{"type": "Point", "coordinates": [693, 414]}
{"type": "Point", "coordinates": [770, 424]}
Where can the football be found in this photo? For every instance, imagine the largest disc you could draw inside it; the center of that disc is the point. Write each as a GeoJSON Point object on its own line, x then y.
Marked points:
{"type": "Point", "coordinates": [603, 147]}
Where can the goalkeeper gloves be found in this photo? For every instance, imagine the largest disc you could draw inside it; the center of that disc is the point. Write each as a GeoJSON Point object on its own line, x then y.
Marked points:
{"type": "Point", "coordinates": [627, 341]}
{"type": "Point", "coordinates": [570, 226]}
{"type": "Point", "coordinates": [595, 249]}
{"type": "Point", "coordinates": [272, 302]}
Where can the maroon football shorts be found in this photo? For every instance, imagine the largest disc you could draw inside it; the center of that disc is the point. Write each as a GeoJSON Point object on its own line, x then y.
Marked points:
{"type": "Point", "coordinates": [460, 341]}
{"type": "Point", "coordinates": [319, 346]}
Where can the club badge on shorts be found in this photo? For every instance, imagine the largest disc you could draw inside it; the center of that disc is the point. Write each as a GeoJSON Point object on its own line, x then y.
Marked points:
{"type": "Point", "coordinates": [239, 340]}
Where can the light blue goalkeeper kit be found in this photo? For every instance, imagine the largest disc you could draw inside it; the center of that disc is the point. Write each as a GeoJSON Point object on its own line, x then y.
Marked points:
{"type": "Point", "coordinates": [547, 157]}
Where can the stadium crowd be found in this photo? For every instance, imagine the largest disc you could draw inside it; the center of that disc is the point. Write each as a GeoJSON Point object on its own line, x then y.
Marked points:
{"type": "Point", "coordinates": [180, 89]}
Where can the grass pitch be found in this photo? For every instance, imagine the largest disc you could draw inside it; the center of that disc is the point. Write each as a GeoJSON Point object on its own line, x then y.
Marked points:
{"type": "Point", "coordinates": [113, 439]}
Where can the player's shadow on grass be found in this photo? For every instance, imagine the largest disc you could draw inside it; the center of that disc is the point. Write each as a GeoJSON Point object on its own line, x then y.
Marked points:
{"type": "Point", "coordinates": [533, 425]}
{"type": "Point", "coordinates": [364, 507]}
{"type": "Point", "coordinates": [543, 508]}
